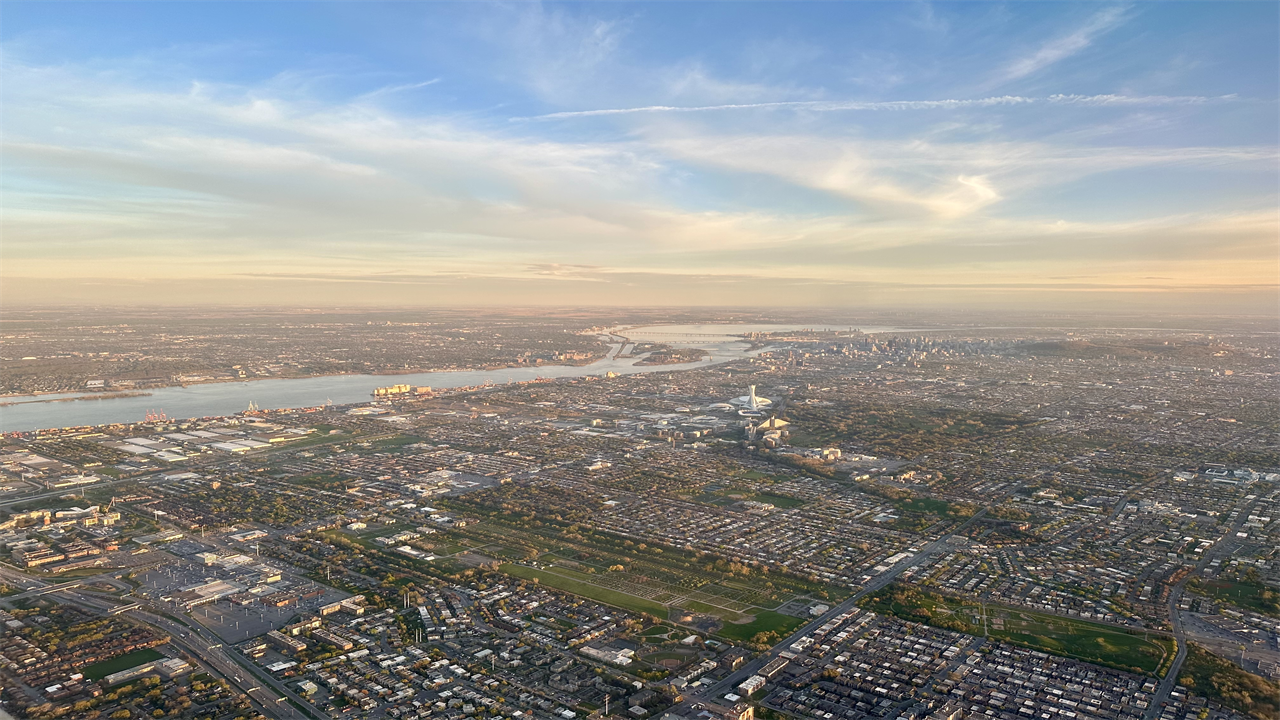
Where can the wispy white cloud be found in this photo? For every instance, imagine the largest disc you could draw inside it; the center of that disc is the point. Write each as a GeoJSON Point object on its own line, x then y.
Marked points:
{"type": "Point", "coordinates": [559, 53]}
{"type": "Point", "coordinates": [1061, 48]}
{"type": "Point", "coordinates": [1150, 100]}
{"type": "Point", "coordinates": [162, 184]}
{"type": "Point", "coordinates": [921, 15]}
{"type": "Point", "coordinates": [814, 105]}
{"type": "Point", "coordinates": [388, 90]}
{"type": "Point", "coordinates": [890, 105]}
{"type": "Point", "coordinates": [695, 83]}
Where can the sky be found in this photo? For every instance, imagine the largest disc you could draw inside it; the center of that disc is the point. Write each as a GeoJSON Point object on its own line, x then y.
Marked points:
{"type": "Point", "coordinates": [1027, 155]}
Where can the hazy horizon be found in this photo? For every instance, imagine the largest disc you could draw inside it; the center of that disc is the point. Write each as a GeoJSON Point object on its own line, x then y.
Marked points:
{"type": "Point", "coordinates": [1045, 157]}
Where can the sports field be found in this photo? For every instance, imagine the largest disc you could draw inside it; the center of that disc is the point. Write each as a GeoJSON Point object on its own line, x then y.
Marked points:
{"type": "Point", "coordinates": [766, 621]}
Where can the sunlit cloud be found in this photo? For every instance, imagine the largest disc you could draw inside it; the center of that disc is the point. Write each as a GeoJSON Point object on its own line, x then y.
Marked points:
{"type": "Point", "coordinates": [681, 175]}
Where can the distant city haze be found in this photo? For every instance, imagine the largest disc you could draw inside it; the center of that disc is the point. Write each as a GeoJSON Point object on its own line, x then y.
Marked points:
{"type": "Point", "coordinates": [1075, 156]}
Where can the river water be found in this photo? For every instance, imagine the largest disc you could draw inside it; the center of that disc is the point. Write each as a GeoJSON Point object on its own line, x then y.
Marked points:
{"type": "Point", "coordinates": [35, 412]}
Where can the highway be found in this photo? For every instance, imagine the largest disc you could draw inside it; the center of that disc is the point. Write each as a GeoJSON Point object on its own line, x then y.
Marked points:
{"type": "Point", "coordinates": [195, 641]}
{"type": "Point", "coordinates": [34, 587]}
{"type": "Point", "coordinates": [1226, 543]}
{"type": "Point", "coordinates": [201, 644]}
{"type": "Point", "coordinates": [713, 692]}
{"type": "Point", "coordinates": [20, 579]}
{"type": "Point", "coordinates": [26, 498]}
{"type": "Point", "coordinates": [1171, 677]}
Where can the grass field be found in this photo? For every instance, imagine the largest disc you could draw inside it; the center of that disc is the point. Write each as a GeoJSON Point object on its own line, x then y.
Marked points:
{"type": "Point", "coordinates": [1248, 594]}
{"type": "Point", "coordinates": [587, 590]}
{"type": "Point", "coordinates": [766, 621]}
{"type": "Point", "coordinates": [360, 540]}
{"type": "Point", "coordinates": [669, 576]}
{"type": "Point", "coordinates": [585, 585]}
{"type": "Point", "coordinates": [654, 657]}
{"type": "Point", "coordinates": [1068, 637]}
{"type": "Point", "coordinates": [100, 670]}
{"type": "Point", "coordinates": [726, 614]}
{"type": "Point", "coordinates": [445, 548]}
{"type": "Point", "coordinates": [395, 441]}
{"type": "Point", "coordinates": [779, 501]}
{"type": "Point", "coordinates": [631, 575]}
{"type": "Point", "coordinates": [926, 505]}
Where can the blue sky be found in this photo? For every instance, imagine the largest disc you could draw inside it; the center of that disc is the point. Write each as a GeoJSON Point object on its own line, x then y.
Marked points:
{"type": "Point", "coordinates": [991, 154]}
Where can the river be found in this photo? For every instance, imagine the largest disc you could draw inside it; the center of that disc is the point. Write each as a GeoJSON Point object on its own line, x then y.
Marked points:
{"type": "Point", "coordinates": [35, 412]}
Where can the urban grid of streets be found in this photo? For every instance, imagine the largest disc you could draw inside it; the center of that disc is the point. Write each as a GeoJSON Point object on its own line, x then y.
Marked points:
{"type": "Point", "coordinates": [1091, 516]}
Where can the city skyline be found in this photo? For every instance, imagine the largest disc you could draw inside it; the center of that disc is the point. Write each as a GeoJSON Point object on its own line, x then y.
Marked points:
{"type": "Point", "coordinates": [1073, 156]}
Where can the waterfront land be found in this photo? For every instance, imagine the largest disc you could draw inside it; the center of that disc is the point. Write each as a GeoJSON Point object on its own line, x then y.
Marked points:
{"type": "Point", "coordinates": [917, 520]}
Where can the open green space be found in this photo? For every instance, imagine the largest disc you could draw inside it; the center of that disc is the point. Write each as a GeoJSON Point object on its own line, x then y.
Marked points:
{"type": "Point", "coordinates": [1223, 681]}
{"type": "Point", "coordinates": [585, 589]}
{"type": "Point", "coordinates": [319, 481]}
{"type": "Point", "coordinates": [772, 477]}
{"type": "Point", "coordinates": [926, 505]}
{"type": "Point", "coordinates": [779, 501]}
{"type": "Point", "coordinates": [381, 531]}
{"type": "Point", "coordinates": [395, 441]}
{"type": "Point", "coordinates": [660, 574]}
{"type": "Point", "coordinates": [1244, 592]}
{"type": "Point", "coordinates": [634, 575]}
{"type": "Point", "coordinates": [766, 621]}
{"type": "Point", "coordinates": [665, 655]}
{"type": "Point", "coordinates": [1069, 637]}
{"type": "Point", "coordinates": [97, 671]}
{"type": "Point", "coordinates": [728, 615]}
{"type": "Point", "coordinates": [720, 497]}
{"type": "Point", "coordinates": [333, 535]}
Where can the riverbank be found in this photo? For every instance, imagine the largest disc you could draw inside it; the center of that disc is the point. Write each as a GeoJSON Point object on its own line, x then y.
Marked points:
{"type": "Point", "coordinates": [81, 394]}
{"type": "Point", "coordinates": [674, 356]}
{"type": "Point", "coordinates": [91, 396]}
{"type": "Point", "coordinates": [229, 398]}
